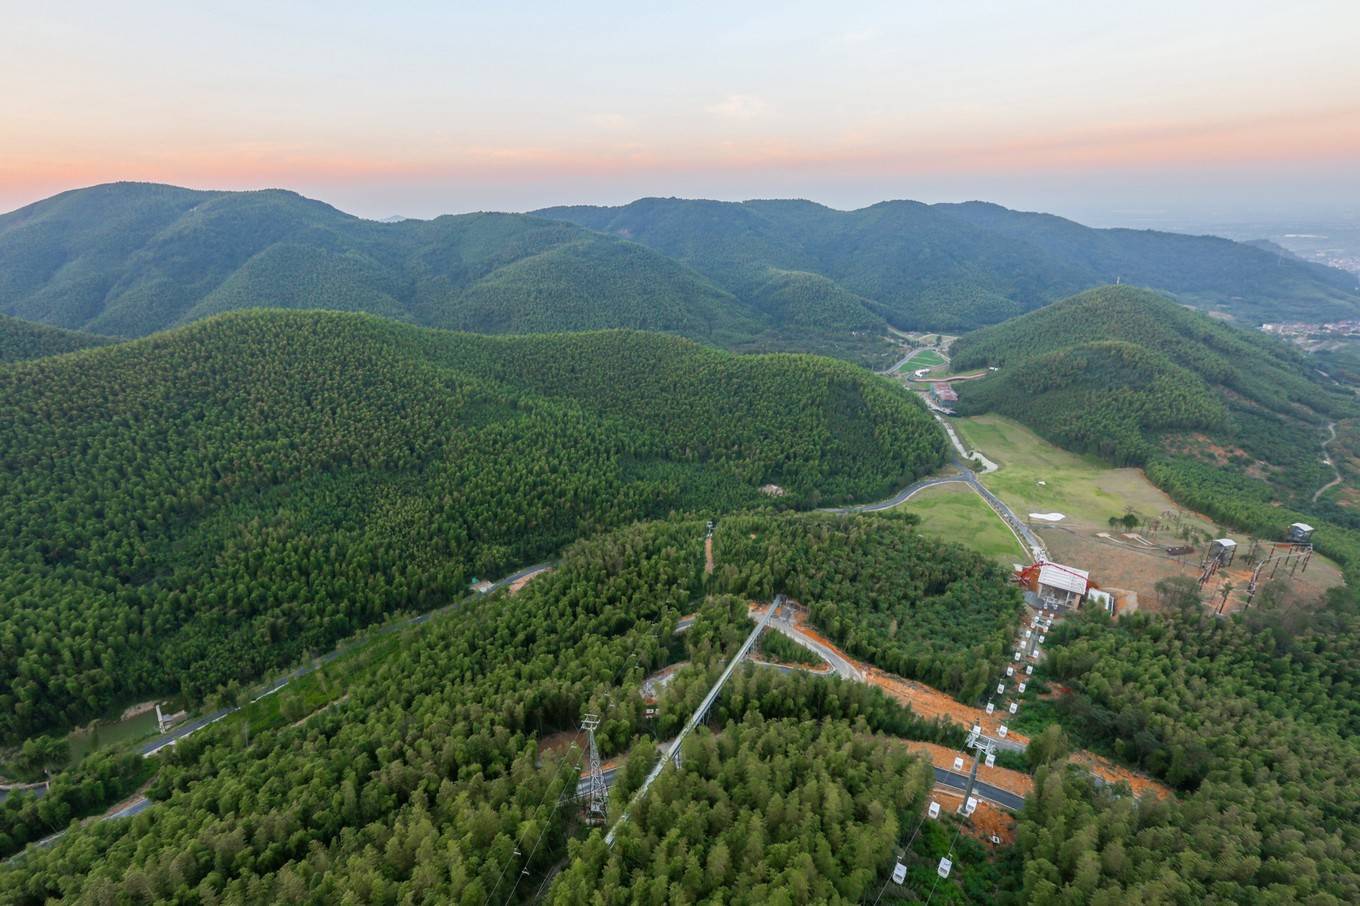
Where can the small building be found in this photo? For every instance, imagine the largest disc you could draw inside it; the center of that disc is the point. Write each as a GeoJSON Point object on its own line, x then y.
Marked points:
{"type": "Point", "coordinates": [1222, 549]}
{"type": "Point", "coordinates": [1102, 599]}
{"type": "Point", "coordinates": [1062, 586]}
{"type": "Point", "coordinates": [943, 393]}
{"type": "Point", "coordinates": [1301, 533]}
{"type": "Point", "coordinates": [481, 587]}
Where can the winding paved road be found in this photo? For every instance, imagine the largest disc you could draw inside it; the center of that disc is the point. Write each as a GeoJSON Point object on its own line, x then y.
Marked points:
{"type": "Point", "coordinates": [783, 622]}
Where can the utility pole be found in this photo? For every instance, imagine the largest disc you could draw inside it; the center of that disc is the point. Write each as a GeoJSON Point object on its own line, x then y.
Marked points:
{"type": "Point", "coordinates": [596, 792]}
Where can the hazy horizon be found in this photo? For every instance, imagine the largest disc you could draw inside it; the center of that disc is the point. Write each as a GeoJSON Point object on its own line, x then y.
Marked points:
{"type": "Point", "coordinates": [1215, 112]}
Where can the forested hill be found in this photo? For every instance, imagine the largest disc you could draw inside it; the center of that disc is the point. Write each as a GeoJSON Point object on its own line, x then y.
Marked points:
{"type": "Point", "coordinates": [1230, 422]}
{"type": "Point", "coordinates": [1130, 375]}
{"type": "Point", "coordinates": [20, 340]}
{"type": "Point", "coordinates": [131, 258]}
{"type": "Point", "coordinates": [128, 259]}
{"type": "Point", "coordinates": [189, 509]}
{"type": "Point", "coordinates": [960, 266]}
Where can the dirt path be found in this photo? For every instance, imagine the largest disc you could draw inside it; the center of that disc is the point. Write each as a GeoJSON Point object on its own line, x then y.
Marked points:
{"type": "Point", "coordinates": [1327, 458]}
{"type": "Point", "coordinates": [708, 556]}
{"type": "Point", "coordinates": [988, 820]}
{"type": "Point", "coordinates": [925, 700]}
{"type": "Point", "coordinates": [931, 703]}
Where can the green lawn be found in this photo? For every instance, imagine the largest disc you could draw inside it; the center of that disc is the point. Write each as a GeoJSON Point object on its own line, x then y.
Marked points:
{"type": "Point", "coordinates": [925, 358]}
{"type": "Point", "coordinates": [1081, 487]}
{"type": "Point", "coordinates": [953, 512]}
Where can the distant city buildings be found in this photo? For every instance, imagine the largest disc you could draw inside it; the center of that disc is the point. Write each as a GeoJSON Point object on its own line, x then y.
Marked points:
{"type": "Point", "coordinates": [1302, 329]}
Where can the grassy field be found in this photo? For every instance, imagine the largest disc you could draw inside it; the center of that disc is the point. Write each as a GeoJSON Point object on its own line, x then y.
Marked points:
{"type": "Point", "coordinates": [1081, 487]}
{"type": "Point", "coordinates": [925, 358]}
{"type": "Point", "coordinates": [953, 512]}
{"type": "Point", "coordinates": [1088, 493]}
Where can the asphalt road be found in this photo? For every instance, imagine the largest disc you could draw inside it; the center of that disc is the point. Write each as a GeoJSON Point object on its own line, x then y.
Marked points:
{"type": "Point", "coordinates": [152, 746]}
{"type": "Point", "coordinates": [995, 794]}
{"type": "Point", "coordinates": [783, 622]}
{"type": "Point", "coordinates": [897, 499]}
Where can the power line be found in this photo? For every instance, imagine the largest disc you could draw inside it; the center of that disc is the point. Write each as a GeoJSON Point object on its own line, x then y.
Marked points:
{"type": "Point", "coordinates": [947, 853]}
{"type": "Point", "coordinates": [906, 852]}
{"type": "Point", "coordinates": [614, 680]}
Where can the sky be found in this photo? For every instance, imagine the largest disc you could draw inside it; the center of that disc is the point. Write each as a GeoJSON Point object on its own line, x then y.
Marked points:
{"type": "Point", "coordinates": [1148, 113]}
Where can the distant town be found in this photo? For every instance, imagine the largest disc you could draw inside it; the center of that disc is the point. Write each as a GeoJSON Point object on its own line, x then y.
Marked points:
{"type": "Point", "coordinates": [1300, 330]}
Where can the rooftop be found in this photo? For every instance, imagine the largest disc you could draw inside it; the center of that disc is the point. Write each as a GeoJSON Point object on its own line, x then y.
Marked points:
{"type": "Point", "coordinates": [1067, 578]}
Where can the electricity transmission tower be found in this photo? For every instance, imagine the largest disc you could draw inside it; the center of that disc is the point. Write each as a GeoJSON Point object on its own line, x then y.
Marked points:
{"type": "Point", "coordinates": [595, 792]}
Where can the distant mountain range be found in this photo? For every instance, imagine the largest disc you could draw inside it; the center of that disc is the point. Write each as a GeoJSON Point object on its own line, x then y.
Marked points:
{"type": "Point", "coordinates": [128, 259]}
{"type": "Point", "coordinates": [954, 267]}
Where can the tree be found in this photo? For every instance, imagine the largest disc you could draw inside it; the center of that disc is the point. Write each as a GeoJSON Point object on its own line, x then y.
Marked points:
{"type": "Point", "coordinates": [1049, 746]}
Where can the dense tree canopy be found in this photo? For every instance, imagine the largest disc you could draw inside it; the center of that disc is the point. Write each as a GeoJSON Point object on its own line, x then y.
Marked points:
{"type": "Point", "coordinates": [193, 508]}
{"type": "Point", "coordinates": [959, 266]}
{"type": "Point", "coordinates": [423, 775]}
{"type": "Point", "coordinates": [911, 605]}
{"type": "Point", "coordinates": [767, 812]}
{"type": "Point", "coordinates": [1228, 422]}
{"type": "Point", "coordinates": [1254, 717]}
{"type": "Point", "coordinates": [20, 340]}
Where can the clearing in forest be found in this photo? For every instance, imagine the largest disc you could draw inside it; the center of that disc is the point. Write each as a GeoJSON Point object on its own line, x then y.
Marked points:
{"type": "Point", "coordinates": [526, 579]}
{"type": "Point", "coordinates": [924, 358]}
{"type": "Point", "coordinates": [1110, 772]}
{"type": "Point", "coordinates": [988, 820]}
{"type": "Point", "coordinates": [1013, 781]}
{"type": "Point", "coordinates": [1037, 477]}
{"type": "Point", "coordinates": [931, 703]}
{"type": "Point", "coordinates": [954, 512]}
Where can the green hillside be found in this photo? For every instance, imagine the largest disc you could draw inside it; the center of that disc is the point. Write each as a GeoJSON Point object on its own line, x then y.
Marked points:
{"type": "Point", "coordinates": [20, 340]}
{"type": "Point", "coordinates": [189, 509]}
{"type": "Point", "coordinates": [415, 773]}
{"type": "Point", "coordinates": [1229, 422]}
{"type": "Point", "coordinates": [957, 267]}
{"type": "Point", "coordinates": [131, 258]}
{"type": "Point", "coordinates": [1129, 374]}
{"type": "Point", "coordinates": [128, 259]}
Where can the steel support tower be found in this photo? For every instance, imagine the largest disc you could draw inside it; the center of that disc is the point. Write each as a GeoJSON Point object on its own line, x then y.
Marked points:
{"type": "Point", "coordinates": [596, 792]}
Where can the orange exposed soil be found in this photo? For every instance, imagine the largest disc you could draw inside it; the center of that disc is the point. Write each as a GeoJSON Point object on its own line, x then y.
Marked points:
{"type": "Point", "coordinates": [708, 555]}
{"type": "Point", "coordinates": [1007, 779]}
{"type": "Point", "coordinates": [1113, 773]}
{"type": "Point", "coordinates": [926, 701]}
{"type": "Point", "coordinates": [525, 580]}
{"type": "Point", "coordinates": [931, 703]}
{"type": "Point", "coordinates": [987, 819]}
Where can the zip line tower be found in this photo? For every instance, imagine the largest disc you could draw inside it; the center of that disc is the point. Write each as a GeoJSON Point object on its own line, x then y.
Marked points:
{"type": "Point", "coordinates": [595, 792]}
